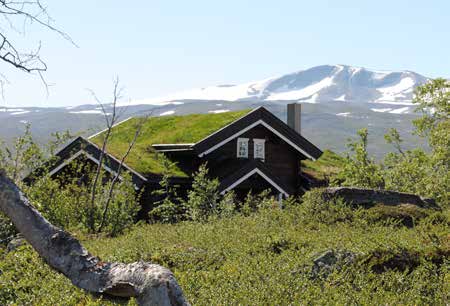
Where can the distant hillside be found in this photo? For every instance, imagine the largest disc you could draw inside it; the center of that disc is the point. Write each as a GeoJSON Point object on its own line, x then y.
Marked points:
{"type": "Point", "coordinates": [337, 100]}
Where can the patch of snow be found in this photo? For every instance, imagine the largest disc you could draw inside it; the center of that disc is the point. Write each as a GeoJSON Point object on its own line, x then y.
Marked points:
{"type": "Point", "coordinates": [402, 110]}
{"type": "Point", "coordinates": [341, 98]}
{"type": "Point", "coordinates": [343, 114]}
{"type": "Point", "coordinates": [339, 68]}
{"type": "Point", "coordinates": [171, 112]}
{"type": "Point", "coordinates": [219, 111]}
{"type": "Point", "coordinates": [395, 102]}
{"type": "Point", "coordinates": [386, 72]}
{"type": "Point", "coordinates": [70, 107]}
{"type": "Point", "coordinates": [379, 75]}
{"type": "Point", "coordinates": [229, 93]}
{"type": "Point", "coordinates": [23, 121]}
{"type": "Point", "coordinates": [312, 99]}
{"type": "Point", "coordinates": [90, 111]}
{"type": "Point", "coordinates": [355, 70]}
{"type": "Point", "coordinates": [381, 110]}
{"type": "Point", "coordinates": [396, 91]}
{"type": "Point", "coordinates": [20, 113]}
{"type": "Point", "coordinates": [11, 110]}
{"type": "Point", "coordinates": [220, 104]}
{"type": "Point", "coordinates": [305, 92]}
{"type": "Point", "coordinates": [155, 101]}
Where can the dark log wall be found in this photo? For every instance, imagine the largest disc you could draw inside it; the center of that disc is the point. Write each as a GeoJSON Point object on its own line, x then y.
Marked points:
{"type": "Point", "coordinates": [282, 160]}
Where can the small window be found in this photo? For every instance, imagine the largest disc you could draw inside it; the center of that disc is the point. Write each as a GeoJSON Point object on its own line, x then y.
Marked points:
{"type": "Point", "coordinates": [258, 148]}
{"type": "Point", "coordinates": [242, 147]}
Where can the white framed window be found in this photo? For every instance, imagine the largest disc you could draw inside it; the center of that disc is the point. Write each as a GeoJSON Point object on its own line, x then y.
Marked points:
{"type": "Point", "coordinates": [259, 150]}
{"type": "Point", "coordinates": [242, 148]}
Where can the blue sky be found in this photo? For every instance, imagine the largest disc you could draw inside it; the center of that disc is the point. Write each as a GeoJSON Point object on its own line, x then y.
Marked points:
{"type": "Point", "coordinates": [160, 47]}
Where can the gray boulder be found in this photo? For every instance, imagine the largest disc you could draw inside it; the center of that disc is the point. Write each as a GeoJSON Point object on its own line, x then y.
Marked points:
{"type": "Point", "coordinates": [367, 197]}
{"type": "Point", "coordinates": [330, 260]}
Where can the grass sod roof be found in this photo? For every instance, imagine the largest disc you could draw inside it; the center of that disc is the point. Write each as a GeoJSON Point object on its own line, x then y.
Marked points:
{"type": "Point", "coordinates": [325, 166]}
{"type": "Point", "coordinates": [162, 130]}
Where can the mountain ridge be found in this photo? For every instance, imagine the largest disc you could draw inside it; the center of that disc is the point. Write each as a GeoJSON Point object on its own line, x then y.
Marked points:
{"type": "Point", "coordinates": [338, 100]}
{"type": "Point", "coordinates": [317, 84]}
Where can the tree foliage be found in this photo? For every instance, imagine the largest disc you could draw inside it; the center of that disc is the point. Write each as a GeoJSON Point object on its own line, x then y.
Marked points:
{"type": "Point", "coordinates": [169, 207]}
{"type": "Point", "coordinates": [203, 198]}
{"type": "Point", "coordinates": [416, 171]}
{"type": "Point", "coordinates": [360, 169]}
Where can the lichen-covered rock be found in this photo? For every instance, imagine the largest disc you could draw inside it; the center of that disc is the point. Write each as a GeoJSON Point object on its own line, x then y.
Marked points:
{"type": "Point", "coordinates": [367, 197]}
{"type": "Point", "coordinates": [328, 261]}
{"type": "Point", "coordinates": [15, 243]}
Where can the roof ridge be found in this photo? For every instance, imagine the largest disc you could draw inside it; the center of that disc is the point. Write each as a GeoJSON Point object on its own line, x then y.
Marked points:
{"type": "Point", "coordinates": [224, 127]}
{"type": "Point", "coordinates": [120, 122]}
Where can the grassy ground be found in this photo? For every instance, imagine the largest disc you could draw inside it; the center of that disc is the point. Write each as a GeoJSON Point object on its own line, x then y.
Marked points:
{"type": "Point", "coordinates": [163, 130]}
{"type": "Point", "coordinates": [265, 259]}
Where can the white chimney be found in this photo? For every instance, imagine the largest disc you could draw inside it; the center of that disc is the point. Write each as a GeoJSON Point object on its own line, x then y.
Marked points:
{"type": "Point", "coordinates": [294, 113]}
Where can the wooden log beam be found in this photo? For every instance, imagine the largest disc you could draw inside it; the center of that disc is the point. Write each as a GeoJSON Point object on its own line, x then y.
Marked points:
{"type": "Point", "coordinates": [151, 284]}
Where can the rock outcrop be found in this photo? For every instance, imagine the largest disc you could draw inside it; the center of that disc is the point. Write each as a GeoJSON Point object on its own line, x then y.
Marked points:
{"type": "Point", "coordinates": [368, 197]}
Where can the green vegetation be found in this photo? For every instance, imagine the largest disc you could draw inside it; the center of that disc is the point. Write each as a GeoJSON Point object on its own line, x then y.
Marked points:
{"type": "Point", "coordinates": [266, 258]}
{"type": "Point", "coordinates": [65, 201]}
{"type": "Point", "coordinates": [251, 252]}
{"type": "Point", "coordinates": [67, 204]}
{"type": "Point", "coordinates": [163, 130]}
{"type": "Point", "coordinates": [416, 171]}
{"type": "Point", "coordinates": [322, 169]}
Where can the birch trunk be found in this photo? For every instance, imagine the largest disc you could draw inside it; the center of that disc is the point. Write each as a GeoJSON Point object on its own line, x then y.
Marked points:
{"type": "Point", "coordinates": [151, 284]}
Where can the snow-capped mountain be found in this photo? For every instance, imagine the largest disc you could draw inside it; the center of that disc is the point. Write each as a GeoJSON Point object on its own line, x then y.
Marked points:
{"type": "Point", "coordinates": [318, 84]}
{"type": "Point", "coordinates": [338, 100]}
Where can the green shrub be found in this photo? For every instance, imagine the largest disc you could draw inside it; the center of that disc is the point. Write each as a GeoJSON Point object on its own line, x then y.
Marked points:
{"type": "Point", "coordinates": [203, 198]}
{"type": "Point", "coordinates": [404, 214]}
{"type": "Point", "coordinates": [317, 210]}
{"type": "Point", "coordinates": [7, 229]}
{"type": "Point", "coordinates": [264, 258]}
{"type": "Point", "coordinates": [68, 205]}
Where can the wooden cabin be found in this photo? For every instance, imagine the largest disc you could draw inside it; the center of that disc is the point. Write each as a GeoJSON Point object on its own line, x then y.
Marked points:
{"type": "Point", "coordinates": [247, 151]}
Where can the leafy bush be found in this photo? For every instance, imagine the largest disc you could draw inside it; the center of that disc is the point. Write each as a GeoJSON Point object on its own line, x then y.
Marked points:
{"type": "Point", "coordinates": [67, 204]}
{"type": "Point", "coordinates": [171, 208]}
{"type": "Point", "coordinates": [264, 258]}
{"type": "Point", "coordinates": [359, 169]}
{"type": "Point", "coordinates": [7, 229]}
{"type": "Point", "coordinates": [203, 198]}
{"type": "Point", "coordinates": [327, 212]}
{"type": "Point", "coordinates": [414, 171]}
{"type": "Point", "coordinates": [405, 214]}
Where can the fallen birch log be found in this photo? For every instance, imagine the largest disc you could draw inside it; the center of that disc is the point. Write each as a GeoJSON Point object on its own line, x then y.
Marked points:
{"type": "Point", "coordinates": [150, 284]}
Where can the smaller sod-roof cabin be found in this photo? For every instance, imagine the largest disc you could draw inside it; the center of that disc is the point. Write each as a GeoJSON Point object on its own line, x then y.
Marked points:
{"type": "Point", "coordinates": [246, 150]}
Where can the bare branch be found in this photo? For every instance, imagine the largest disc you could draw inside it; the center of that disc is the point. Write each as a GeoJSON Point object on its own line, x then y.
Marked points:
{"type": "Point", "coordinates": [139, 125]}
{"type": "Point", "coordinates": [32, 11]}
{"type": "Point", "coordinates": [110, 122]}
{"type": "Point", "coordinates": [27, 12]}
